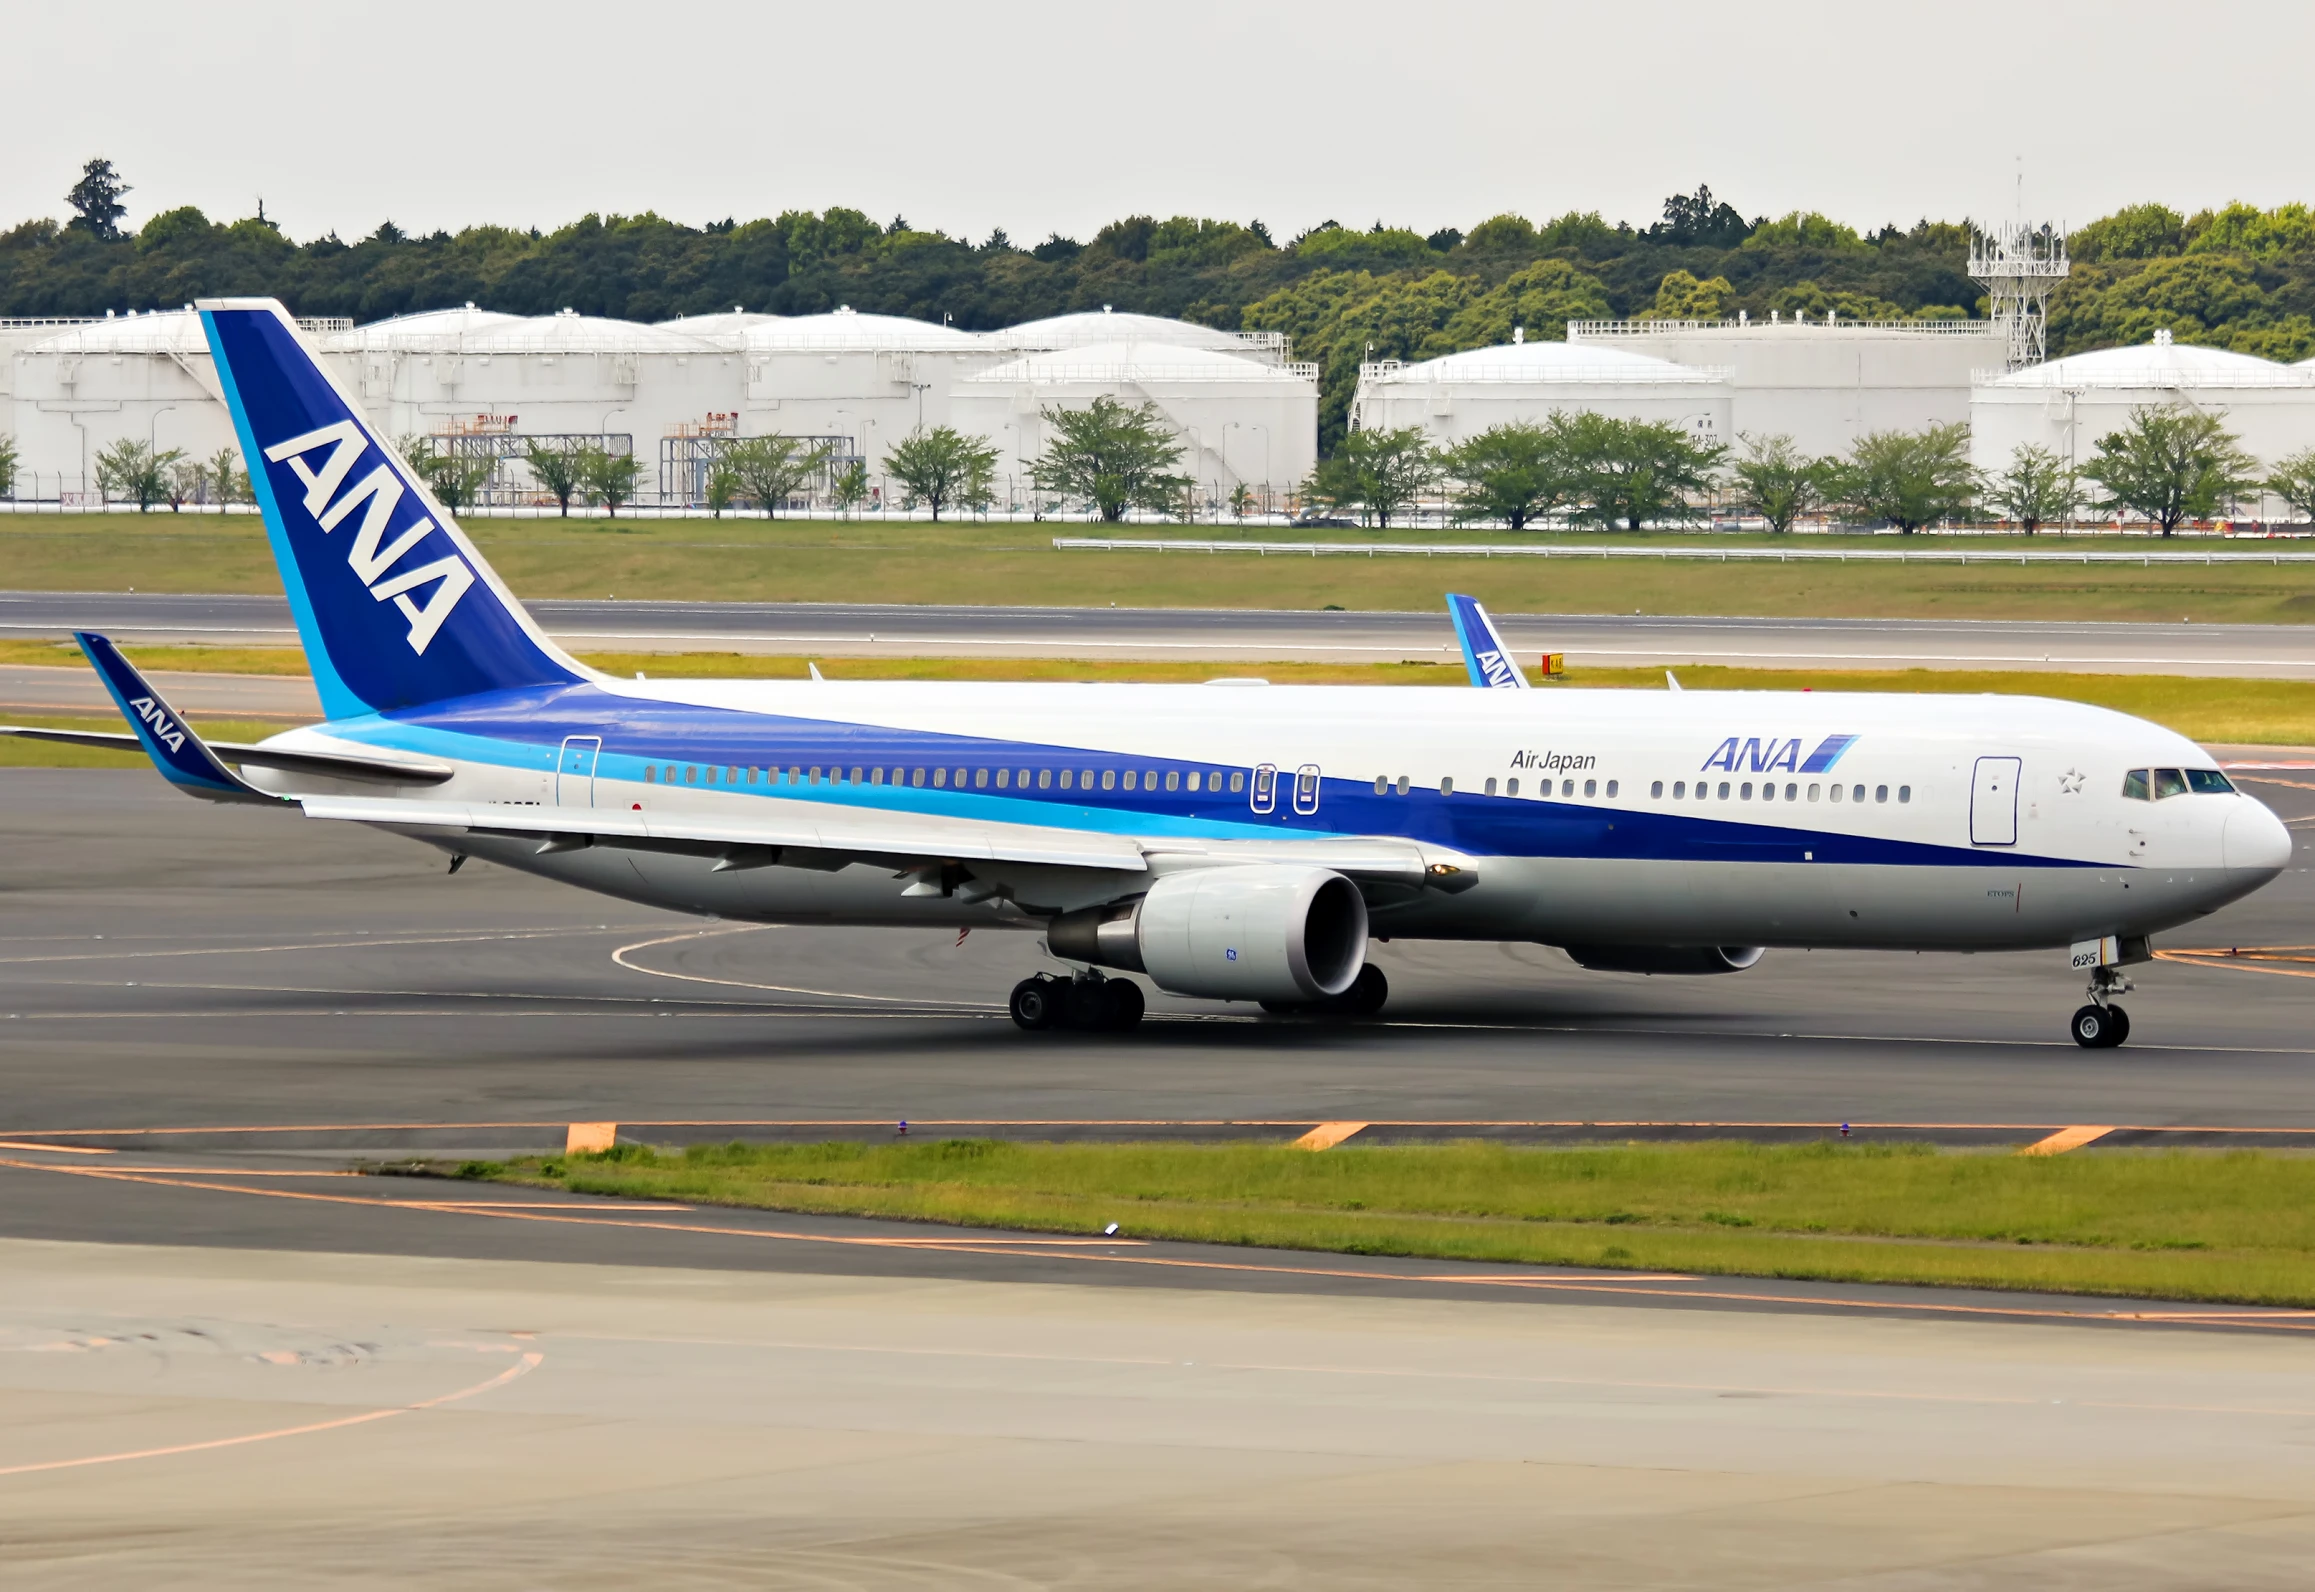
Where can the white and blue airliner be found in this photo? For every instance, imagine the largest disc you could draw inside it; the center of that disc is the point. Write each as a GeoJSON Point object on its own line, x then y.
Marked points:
{"type": "Point", "coordinates": [1233, 841]}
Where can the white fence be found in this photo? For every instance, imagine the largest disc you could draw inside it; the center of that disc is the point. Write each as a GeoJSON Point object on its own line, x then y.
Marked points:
{"type": "Point", "coordinates": [1726, 555]}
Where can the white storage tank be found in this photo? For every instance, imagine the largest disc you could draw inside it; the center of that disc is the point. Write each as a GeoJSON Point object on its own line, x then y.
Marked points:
{"type": "Point", "coordinates": [1824, 382]}
{"type": "Point", "coordinates": [726, 329]}
{"type": "Point", "coordinates": [1242, 421]}
{"type": "Point", "coordinates": [76, 393]}
{"type": "Point", "coordinates": [1082, 328]}
{"type": "Point", "coordinates": [867, 380]}
{"type": "Point", "coordinates": [1458, 396]}
{"type": "Point", "coordinates": [2066, 405]}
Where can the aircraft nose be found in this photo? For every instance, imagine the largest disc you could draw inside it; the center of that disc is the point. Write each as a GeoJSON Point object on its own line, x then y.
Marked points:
{"type": "Point", "coordinates": [2256, 839]}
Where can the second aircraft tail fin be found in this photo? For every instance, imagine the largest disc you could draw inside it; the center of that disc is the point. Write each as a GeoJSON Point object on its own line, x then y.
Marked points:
{"type": "Point", "coordinates": [1484, 653]}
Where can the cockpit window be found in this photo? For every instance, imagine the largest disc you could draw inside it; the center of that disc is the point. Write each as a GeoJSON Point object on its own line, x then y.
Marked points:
{"type": "Point", "coordinates": [2208, 782]}
{"type": "Point", "coordinates": [2168, 782]}
{"type": "Point", "coordinates": [2134, 786]}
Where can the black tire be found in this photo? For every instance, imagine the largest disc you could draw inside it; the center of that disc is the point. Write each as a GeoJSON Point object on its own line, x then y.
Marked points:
{"type": "Point", "coordinates": [1121, 1006]}
{"type": "Point", "coordinates": [1286, 1008]}
{"type": "Point", "coordinates": [1367, 992]}
{"type": "Point", "coordinates": [1034, 1004]}
{"type": "Point", "coordinates": [2094, 1028]}
{"type": "Point", "coordinates": [2121, 1026]}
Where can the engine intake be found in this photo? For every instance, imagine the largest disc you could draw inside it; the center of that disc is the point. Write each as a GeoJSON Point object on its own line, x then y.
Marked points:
{"type": "Point", "coordinates": [1678, 959]}
{"type": "Point", "coordinates": [1256, 932]}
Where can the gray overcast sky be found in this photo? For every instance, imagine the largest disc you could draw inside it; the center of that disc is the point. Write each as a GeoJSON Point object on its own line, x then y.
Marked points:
{"type": "Point", "coordinates": [1038, 116]}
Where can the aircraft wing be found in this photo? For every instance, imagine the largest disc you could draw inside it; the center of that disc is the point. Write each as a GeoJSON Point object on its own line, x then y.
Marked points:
{"type": "Point", "coordinates": [745, 842]}
{"type": "Point", "coordinates": [855, 834]}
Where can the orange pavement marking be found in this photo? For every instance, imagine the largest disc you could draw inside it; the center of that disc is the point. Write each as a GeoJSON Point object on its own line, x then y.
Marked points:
{"type": "Point", "coordinates": [590, 1137]}
{"type": "Point", "coordinates": [2065, 1139]}
{"type": "Point", "coordinates": [26, 1137]}
{"type": "Point", "coordinates": [53, 1149]}
{"type": "Point", "coordinates": [1327, 1135]}
{"type": "Point", "coordinates": [529, 1362]}
{"type": "Point", "coordinates": [2258, 959]}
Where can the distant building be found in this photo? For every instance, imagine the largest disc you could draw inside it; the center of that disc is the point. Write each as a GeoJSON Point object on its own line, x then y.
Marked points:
{"type": "Point", "coordinates": [2066, 405]}
{"type": "Point", "coordinates": [862, 381]}
{"type": "Point", "coordinates": [1823, 382]}
{"type": "Point", "coordinates": [76, 392]}
{"type": "Point", "coordinates": [1243, 421]}
{"type": "Point", "coordinates": [1458, 396]}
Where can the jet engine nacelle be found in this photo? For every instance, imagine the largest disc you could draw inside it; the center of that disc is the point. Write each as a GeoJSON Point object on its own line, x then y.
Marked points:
{"type": "Point", "coordinates": [1684, 959]}
{"type": "Point", "coordinates": [1257, 932]}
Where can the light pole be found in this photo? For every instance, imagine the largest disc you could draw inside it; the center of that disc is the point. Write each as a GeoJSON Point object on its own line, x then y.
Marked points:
{"type": "Point", "coordinates": [605, 432]}
{"type": "Point", "coordinates": [153, 430]}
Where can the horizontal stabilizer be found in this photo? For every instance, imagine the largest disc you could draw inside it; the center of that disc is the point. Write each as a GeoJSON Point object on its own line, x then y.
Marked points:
{"type": "Point", "coordinates": [332, 764]}
{"type": "Point", "coordinates": [853, 831]}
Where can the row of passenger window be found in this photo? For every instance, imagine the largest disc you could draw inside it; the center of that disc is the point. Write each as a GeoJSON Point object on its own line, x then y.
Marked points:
{"type": "Point", "coordinates": [2152, 784]}
{"type": "Point", "coordinates": [1792, 791]}
{"type": "Point", "coordinates": [1386, 786]}
{"type": "Point", "coordinates": [945, 778]}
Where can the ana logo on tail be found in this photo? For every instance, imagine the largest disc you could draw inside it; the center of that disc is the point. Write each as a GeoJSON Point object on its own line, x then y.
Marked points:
{"type": "Point", "coordinates": [371, 557]}
{"type": "Point", "coordinates": [1499, 672]}
{"type": "Point", "coordinates": [165, 729]}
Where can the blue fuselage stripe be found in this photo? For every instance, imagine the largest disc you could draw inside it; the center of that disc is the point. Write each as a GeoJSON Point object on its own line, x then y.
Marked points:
{"type": "Point", "coordinates": [525, 730]}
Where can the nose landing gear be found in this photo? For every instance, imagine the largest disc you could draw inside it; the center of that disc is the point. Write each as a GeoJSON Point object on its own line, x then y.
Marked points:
{"type": "Point", "coordinates": [2102, 1025]}
{"type": "Point", "coordinates": [1088, 1002]}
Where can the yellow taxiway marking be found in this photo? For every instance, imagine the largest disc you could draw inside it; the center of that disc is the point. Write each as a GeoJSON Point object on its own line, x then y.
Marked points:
{"type": "Point", "coordinates": [1327, 1135]}
{"type": "Point", "coordinates": [2065, 1139]}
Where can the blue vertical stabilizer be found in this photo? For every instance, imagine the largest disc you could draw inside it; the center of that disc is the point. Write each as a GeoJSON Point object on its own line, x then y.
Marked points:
{"type": "Point", "coordinates": [1484, 654]}
{"type": "Point", "coordinates": [394, 605]}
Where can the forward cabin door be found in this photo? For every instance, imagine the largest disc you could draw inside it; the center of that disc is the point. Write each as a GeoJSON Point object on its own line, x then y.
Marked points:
{"type": "Point", "coordinates": [575, 771]}
{"type": "Point", "coordinates": [1993, 802]}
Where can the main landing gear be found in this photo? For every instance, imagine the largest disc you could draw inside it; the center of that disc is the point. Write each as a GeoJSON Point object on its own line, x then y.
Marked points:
{"type": "Point", "coordinates": [1089, 1002]}
{"type": "Point", "coordinates": [2102, 1025]}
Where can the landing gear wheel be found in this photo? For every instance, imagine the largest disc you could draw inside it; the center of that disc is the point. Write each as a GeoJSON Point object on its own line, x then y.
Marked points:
{"type": "Point", "coordinates": [2100, 1027]}
{"type": "Point", "coordinates": [1034, 1004]}
{"type": "Point", "coordinates": [1367, 992]}
{"type": "Point", "coordinates": [1121, 1006]}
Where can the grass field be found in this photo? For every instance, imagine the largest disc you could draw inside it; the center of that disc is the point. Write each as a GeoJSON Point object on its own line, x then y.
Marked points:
{"type": "Point", "coordinates": [2188, 1225]}
{"type": "Point", "coordinates": [2223, 711]}
{"type": "Point", "coordinates": [837, 561]}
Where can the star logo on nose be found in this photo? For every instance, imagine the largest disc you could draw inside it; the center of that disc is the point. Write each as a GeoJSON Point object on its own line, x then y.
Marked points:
{"type": "Point", "coordinates": [2071, 782]}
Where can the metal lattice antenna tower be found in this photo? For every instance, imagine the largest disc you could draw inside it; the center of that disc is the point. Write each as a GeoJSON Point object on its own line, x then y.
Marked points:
{"type": "Point", "coordinates": [2019, 265]}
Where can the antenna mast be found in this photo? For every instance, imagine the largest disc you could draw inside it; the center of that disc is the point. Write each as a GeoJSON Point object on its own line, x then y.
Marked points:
{"type": "Point", "coordinates": [2019, 265]}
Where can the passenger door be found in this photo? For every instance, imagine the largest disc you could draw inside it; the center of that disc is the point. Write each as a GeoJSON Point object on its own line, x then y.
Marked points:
{"type": "Point", "coordinates": [575, 770]}
{"type": "Point", "coordinates": [1306, 789]}
{"type": "Point", "coordinates": [1993, 802]}
{"type": "Point", "coordinates": [1264, 796]}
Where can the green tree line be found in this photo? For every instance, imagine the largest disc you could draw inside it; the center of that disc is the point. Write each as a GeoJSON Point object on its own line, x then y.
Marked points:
{"type": "Point", "coordinates": [2237, 277]}
{"type": "Point", "coordinates": [2168, 465]}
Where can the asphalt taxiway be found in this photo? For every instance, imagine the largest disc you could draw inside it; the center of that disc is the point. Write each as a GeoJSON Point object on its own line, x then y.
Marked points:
{"type": "Point", "coordinates": [890, 630]}
{"type": "Point", "coordinates": [222, 1358]}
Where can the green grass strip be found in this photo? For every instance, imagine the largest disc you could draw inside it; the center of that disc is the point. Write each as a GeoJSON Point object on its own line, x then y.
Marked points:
{"type": "Point", "coordinates": [2233, 1226]}
{"type": "Point", "coordinates": [2211, 710]}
